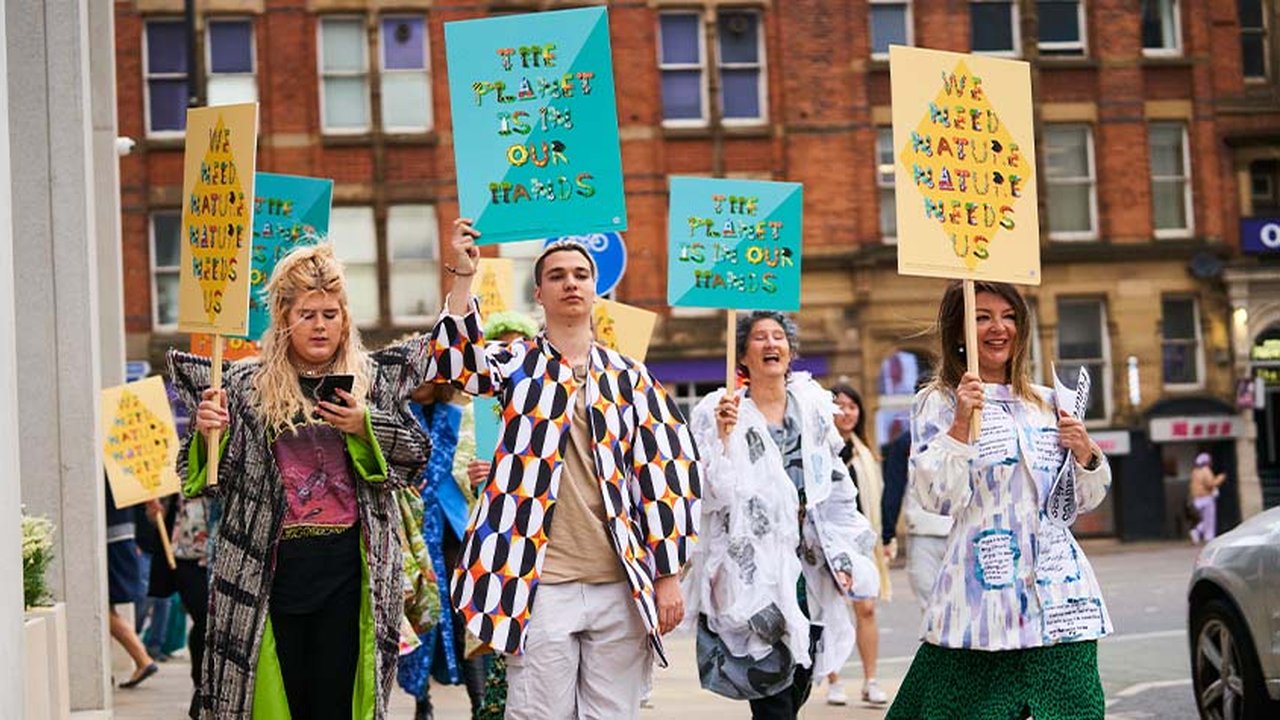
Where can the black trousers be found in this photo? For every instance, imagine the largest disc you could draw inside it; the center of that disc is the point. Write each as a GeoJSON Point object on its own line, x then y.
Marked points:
{"type": "Point", "coordinates": [192, 583]}
{"type": "Point", "coordinates": [317, 653]}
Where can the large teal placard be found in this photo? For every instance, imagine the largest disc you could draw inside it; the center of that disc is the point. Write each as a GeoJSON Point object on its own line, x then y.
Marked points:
{"type": "Point", "coordinates": [289, 211]}
{"type": "Point", "coordinates": [535, 125]}
{"type": "Point", "coordinates": [734, 244]}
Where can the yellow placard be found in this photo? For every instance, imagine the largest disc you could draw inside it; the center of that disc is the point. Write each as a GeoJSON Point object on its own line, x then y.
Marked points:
{"type": "Point", "coordinates": [625, 328]}
{"type": "Point", "coordinates": [217, 219]}
{"type": "Point", "coordinates": [233, 348]}
{"type": "Point", "coordinates": [139, 441]}
{"type": "Point", "coordinates": [964, 152]}
{"type": "Point", "coordinates": [495, 285]}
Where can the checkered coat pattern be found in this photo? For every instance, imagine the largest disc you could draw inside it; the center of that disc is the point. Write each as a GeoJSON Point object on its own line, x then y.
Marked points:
{"type": "Point", "coordinates": [252, 492]}
{"type": "Point", "coordinates": [645, 462]}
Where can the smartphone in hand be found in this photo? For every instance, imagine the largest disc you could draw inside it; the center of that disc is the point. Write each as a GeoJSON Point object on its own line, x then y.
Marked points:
{"type": "Point", "coordinates": [326, 390]}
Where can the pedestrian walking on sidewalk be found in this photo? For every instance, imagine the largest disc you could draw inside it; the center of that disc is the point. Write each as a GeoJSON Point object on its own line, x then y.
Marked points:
{"type": "Point", "coordinates": [589, 435]}
{"type": "Point", "coordinates": [783, 543]}
{"type": "Point", "coordinates": [1014, 616]}
{"type": "Point", "coordinates": [864, 468]}
{"type": "Point", "coordinates": [306, 600]}
{"type": "Point", "coordinates": [1204, 498]}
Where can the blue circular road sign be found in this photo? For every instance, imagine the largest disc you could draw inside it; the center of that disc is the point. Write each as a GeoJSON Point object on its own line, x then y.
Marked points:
{"type": "Point", "coordinates": [609, 252]}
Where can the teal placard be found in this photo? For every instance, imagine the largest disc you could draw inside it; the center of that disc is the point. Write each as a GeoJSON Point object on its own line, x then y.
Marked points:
{"type": "Point", "coordinates": [734, 244]}
{"type": "Point", "coordinates": [535, 125]}
{"type": "Point", "coordinates": [488, 420]}
{"type": "Point", "coordinates": [288, 211]}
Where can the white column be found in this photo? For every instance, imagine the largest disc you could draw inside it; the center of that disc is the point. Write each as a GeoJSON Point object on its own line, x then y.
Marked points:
{"type": "Point", "coordinates": [106, 188]}
{"type": "Point", "coordinates": [53, 204]}
{"type": "Point", "coordinates": [11, 626]}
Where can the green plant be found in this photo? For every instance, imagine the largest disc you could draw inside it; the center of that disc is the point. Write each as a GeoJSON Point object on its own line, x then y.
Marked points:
{"type": "Point", "coordinates": [37, 553]}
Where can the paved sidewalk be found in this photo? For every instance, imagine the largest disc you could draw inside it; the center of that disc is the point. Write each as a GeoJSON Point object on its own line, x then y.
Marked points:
{"type": "Point", "coordinates": [676, 695]}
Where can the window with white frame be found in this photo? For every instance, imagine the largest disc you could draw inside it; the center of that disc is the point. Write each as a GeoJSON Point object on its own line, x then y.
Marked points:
{"type": "Point", "coordinates": [355, 242]}
{"type": "Point", "coordinates": [739, 62]}
{"type": "Point", "coordinates": [1170, 179]}
{"type": "Point", "coordinates": [412, 239]}
{"type": "Point", "coordinates": [1071, 198]}
{"type": "Point", "coordinates": [230, 62]}
{"type": "Point", "coordinates": [993, 27]}
{"type": "Point", "coordinates": [890, 23]}
{"type": "Point", "coordinates": [884, 183]}
{"type": "Point", "coordinates": [523, 254]}
{"type": "Point", "coordinates": [1061, 24]}
{"type": "Point", "coordinates": [1083, 342]}
{"type": "Point", "coordinates": [741, 59]}
{"type": "Point", "coordinates": [166, 258]}
{"type": "Point", "coordinates": [1180, 341]}
{"type": "Point", "coordinates": [344, 75]}
{"type": "Point", "coordinates": [165, 71]}
{"type": "Point", "coordinates": [406, 102]}
{"type": "Point", "coordinates": [682, 58]}
{"type": "Point", "coordinates": [1253, 38]}
{"type": "Point", "coordinates": [1161, 28]}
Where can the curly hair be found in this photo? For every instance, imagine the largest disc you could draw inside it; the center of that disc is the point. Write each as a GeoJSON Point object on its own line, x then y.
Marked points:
{"type": "Point", "coordinates": [278, 395]}
{"type": "Point", "coordinates": [747, 322]}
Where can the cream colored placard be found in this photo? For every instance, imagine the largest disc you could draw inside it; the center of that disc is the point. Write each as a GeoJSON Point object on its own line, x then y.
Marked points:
{"type": "Point", "coordinates": [139, 441]}
{"type": "Point", "coordinates": [964, 166]}
{"type": "Point", "coordinates": [217, 219]}
{"type": "Point", "coordinates": [625, 328]}
{"type": "Point", "coordinates": [495, 285]}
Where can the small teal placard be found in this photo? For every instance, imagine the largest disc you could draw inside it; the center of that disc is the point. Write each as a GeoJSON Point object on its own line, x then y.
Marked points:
{"type": "Point", "coordinates": [734, 244]}
{"type": "Point", "coordinates": [488, 421]}
{"type": "Point", "coordinates": [535, 124]}
{"type": "Point", "coordinates": [289, 211]}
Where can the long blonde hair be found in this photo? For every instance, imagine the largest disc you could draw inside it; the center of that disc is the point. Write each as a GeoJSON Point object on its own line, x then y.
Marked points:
{"type": "Point", "coordinates": [278, 396]}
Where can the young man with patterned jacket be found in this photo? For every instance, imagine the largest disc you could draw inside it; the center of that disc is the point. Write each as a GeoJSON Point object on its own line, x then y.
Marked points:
{"type": "Point", "coordinates": [590, 438]}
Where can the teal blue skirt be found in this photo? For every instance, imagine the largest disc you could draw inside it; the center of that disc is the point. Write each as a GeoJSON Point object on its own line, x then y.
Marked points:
{"type": "Point", "coordinates": [1058, 682]}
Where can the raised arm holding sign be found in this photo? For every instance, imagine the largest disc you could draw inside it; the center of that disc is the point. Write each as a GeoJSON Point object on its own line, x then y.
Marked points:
{"type": "Point", "coordinates": [217, 223]}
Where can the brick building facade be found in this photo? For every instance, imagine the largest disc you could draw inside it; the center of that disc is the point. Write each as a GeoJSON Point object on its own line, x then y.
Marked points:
{"type": "Point", "coordinates": [1150, 116]}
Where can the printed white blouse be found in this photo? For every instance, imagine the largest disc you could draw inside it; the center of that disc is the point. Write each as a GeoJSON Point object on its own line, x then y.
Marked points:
{"type": "Point", "coordinates": [1011, 578]}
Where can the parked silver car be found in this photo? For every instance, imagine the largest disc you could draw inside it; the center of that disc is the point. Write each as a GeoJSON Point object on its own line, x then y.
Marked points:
{"type": "Point", "coordinates": [1234, 622]}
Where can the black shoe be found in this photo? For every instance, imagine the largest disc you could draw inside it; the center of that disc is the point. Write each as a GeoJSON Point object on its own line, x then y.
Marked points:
{"type": "Point", "coordinates": [423, 711]}
{"type": "Point", "coordinates": [139, 676]}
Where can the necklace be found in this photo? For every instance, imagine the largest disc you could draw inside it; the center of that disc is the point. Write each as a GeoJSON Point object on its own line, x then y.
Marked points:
{"type": "Point", "coordinates": [311, 371]}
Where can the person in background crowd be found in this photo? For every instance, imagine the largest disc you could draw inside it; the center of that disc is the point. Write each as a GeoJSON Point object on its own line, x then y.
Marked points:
{"type": "Point", "coordinates": [783, 540]}
{"type": "Point", "coordinates": [445, 506]}
{"type": "Point", "coordinates": [589, 435]}
{"type": "Point", "coordinates": [307, 597]}
{"type": "Point", "coordinates": [124, 585]}
{"type": "Point", "coordinates": [864, 468]}
{"type": "Point", "coordinates": [1204, 498]}
{"type": "Point", "coordinates": [188, 519]}
{"type": "Point", "coordinates": [1015, 613]}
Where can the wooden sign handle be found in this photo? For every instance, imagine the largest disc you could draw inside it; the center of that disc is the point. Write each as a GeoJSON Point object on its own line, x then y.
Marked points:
{"type": "Point", "coordinates": [215, 437]}
{"type": "Point", "coordinates": [164, 540]}
{"type": "Point", "coordinates": [971, 350]}
{"type": "Point", "coordinates": [731, 351]}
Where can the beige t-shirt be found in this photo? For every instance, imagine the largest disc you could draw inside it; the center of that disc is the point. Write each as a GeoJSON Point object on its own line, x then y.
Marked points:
{"type": "Point", "coordinates": [578, 549]}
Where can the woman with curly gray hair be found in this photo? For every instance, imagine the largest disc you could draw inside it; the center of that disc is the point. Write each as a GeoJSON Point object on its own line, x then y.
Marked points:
{"type": "Point", "coordinates": [783, 542]}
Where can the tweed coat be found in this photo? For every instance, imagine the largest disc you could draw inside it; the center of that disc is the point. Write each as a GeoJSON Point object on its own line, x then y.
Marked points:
{"type": "Point", "coordinates": [645, 463]}
{"type": "Point", "coordinates": [253, 511]}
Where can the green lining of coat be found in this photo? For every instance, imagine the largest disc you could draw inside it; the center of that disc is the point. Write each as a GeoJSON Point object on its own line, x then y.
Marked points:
{"type": "Point", "coordinates": [198, 467]}
{"type": "Point", "coordinates": [366, 454]}
{"type": "Point", "coordinates": [269, 699]}
{"type": "Point", "coordinates": [364, 697]}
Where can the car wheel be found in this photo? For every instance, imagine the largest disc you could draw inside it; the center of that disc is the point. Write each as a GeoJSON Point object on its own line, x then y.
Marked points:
{"type": "Point", "coordinates": [1224, 666]}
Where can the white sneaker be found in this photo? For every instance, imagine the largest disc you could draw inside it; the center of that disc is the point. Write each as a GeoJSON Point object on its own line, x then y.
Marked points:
{"type": "Point", "coordinates": [873, 694]}
{"type": "Point", "coordinates": [835, 694]}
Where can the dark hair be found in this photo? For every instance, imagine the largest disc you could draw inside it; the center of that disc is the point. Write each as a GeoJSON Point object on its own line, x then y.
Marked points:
{"type": "Point", "coordinates": [953, 365]}
{"type": "Point", "coordinates": [561, 246]}
{"type": "Point", "coordinates": [746, 323]}
{"type": "Point", "coordinates": [860, 427]}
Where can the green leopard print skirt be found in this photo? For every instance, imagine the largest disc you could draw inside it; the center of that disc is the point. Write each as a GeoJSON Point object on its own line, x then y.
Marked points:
{"type": "Point", "coordinates": [1058, 682]}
